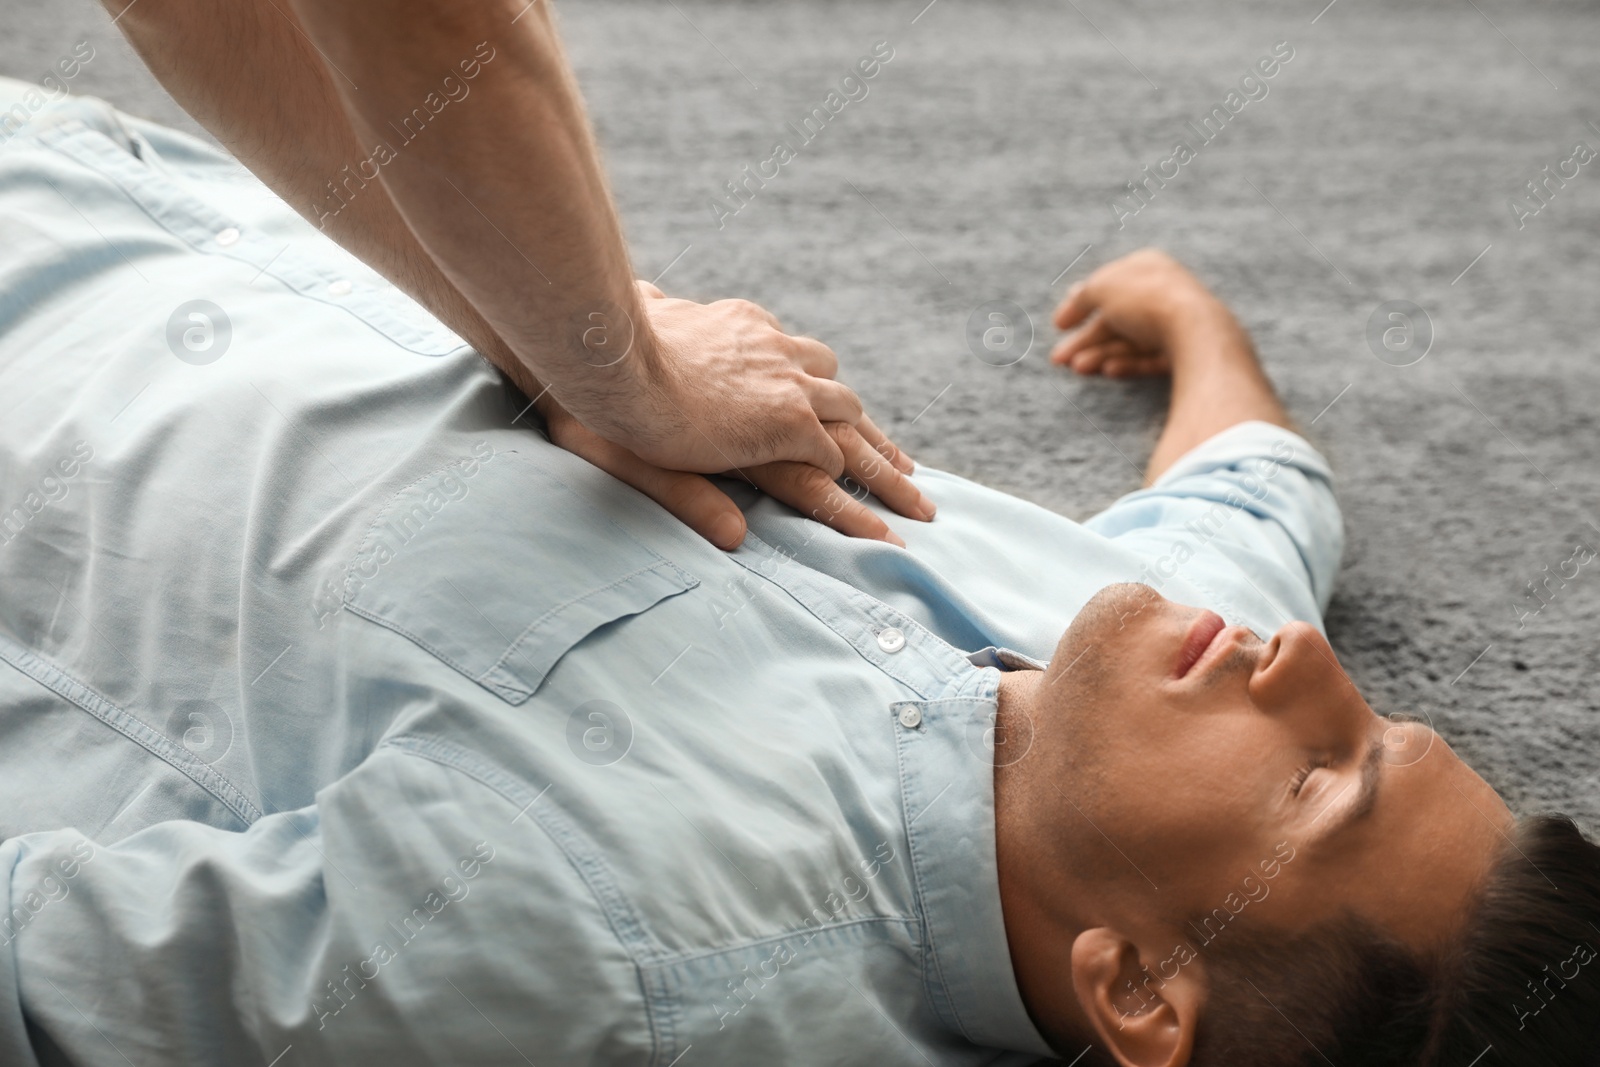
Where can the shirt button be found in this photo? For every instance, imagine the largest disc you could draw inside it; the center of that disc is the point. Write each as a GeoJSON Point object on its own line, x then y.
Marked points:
{"type": "Point", "coordinates": [228, 237]}
{"type": "Point", "coordinates": [910, 718]}
{"type": "Point", "coordinates": [341, 287]}
{"type": "Point", "coordinates": [891, 640]}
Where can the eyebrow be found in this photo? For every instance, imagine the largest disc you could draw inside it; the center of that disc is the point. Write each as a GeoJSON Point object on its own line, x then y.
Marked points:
{"type": "Point", "coordinates": [1366, 799]}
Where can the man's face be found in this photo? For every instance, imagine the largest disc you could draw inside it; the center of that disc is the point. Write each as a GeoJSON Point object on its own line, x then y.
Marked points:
{"type": "Point", "coordinates": [1205, 756]}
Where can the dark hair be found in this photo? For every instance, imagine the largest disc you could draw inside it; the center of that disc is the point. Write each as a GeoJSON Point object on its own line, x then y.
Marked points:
{"type": "Point", "coordinates": [1522, 987]}
{"type": "Point", "coordinates": [1341, 992]}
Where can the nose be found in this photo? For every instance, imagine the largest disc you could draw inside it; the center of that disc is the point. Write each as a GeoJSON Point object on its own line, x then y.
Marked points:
{"type": "Point", "coordinates": [1294, 640]}
{"type": "Point", "coordinates": [1269, 652]}
{"type": "Point", "coordinates": [1297, 673]}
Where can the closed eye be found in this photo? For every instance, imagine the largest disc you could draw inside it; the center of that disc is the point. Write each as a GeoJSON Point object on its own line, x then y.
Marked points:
{"type": "Point", "coordinates": [1298, 782]}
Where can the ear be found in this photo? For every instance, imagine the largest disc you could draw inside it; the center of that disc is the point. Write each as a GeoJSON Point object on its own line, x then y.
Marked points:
{"type": "Point", "coordinates": [1142, 1017]}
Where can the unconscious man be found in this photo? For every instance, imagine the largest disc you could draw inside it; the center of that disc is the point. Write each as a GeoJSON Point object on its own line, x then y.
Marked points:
{"type": "Point", "coordinates": [348, 720]}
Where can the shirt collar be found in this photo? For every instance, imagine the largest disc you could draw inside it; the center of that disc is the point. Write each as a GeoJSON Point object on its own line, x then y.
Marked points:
{"type": "Point", "coordinates": [1005, 659]}
{"type": "Point", "coordinates": [946, 749]}
{"type": "Point", "coordinates": [947, 776]}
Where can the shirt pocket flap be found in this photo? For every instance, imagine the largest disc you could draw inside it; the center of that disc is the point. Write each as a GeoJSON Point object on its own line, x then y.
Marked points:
{"type": "Point", "coordinates": [497, 568]}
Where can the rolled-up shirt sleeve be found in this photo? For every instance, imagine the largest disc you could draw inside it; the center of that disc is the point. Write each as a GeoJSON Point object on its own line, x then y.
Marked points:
{"type": "Point", "coordinates": [352, 931]}
{"type": "Point", "coordinates": [1256, 497]}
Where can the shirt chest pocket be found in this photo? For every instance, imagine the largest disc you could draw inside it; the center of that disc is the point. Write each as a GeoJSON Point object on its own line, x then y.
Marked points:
{"type": "Point", "coordinates": [497, 568]}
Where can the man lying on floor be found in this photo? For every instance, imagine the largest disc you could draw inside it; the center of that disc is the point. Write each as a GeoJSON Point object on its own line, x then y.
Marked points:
{"type": "Point", "coordinates": [347, 720]}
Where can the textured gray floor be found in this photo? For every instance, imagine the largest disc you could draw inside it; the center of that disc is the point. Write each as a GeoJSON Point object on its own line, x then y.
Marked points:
{"type": "Point", "coordinates": [983, 162]}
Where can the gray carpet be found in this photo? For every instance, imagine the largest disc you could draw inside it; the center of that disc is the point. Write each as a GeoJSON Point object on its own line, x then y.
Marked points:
{"type": "Point", "coordinates": [984, 160]}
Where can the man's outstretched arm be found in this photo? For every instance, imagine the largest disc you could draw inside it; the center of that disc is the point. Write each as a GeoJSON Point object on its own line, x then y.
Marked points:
{"type": "Point", "coordinates": [1264, 498]}
{"type": "Point", "coordinates": [1145, 314]}
{"type": "Point", "coordinates": [250, 74]}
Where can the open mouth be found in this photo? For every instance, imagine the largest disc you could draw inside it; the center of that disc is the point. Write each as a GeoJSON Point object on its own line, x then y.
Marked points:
{"type": "Point", "coordinates": [1202, 635]}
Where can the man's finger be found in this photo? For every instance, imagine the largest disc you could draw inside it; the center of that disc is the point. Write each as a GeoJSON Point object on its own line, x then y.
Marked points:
{"type": "Point", "coordinates": [695, 502]}
{"type": "Point", "coordinates": [883, 446]}
{"type": "Point", "coordinates": [833, 402]}
{"type": "Point", "coordinates": [812, 493]}
{"type": "Point", "coordinates": [1096, 333]}
{"type": "Point", "coordinates": [816, 448]}
{"type": "Point", "coordinates": [1074, 307]}
{"type": "Point", "coordinates": [814, 357]}
{"type": "Point", "coordinates": [649, 289]}
{"type": "Point", "coordinates": [866, 471]}
{"type": "Point", "coordinates": [1098, 357]}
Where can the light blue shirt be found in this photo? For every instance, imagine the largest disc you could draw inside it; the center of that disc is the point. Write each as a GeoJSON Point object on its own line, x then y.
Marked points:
{"type": "Point", "coordinates": [345, 720]}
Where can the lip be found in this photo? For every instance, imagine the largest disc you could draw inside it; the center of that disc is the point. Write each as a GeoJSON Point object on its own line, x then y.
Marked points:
{"type": "Point", "coordinates": [1203, 633]}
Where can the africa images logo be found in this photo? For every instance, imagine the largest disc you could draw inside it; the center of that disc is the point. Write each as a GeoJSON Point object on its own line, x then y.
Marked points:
{"type": "Point", "coordinates": [53, 486]}
{"type": "Point", "coordinates": [400, 522]}
{"type": "Point", "coordinates": [853, 88]}
{"type": "Point", "coordinates": [1252, 87]}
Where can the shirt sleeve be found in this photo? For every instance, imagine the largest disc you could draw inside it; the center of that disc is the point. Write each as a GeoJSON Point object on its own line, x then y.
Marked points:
{"type": "Point", "coordinates": [1257, 497]}
{"type": "Point", "coordinates": [411, 916]}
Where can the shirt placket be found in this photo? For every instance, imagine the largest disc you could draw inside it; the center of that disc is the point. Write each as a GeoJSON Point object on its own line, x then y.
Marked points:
{"type": "Point", "coordinates": [891, 640]}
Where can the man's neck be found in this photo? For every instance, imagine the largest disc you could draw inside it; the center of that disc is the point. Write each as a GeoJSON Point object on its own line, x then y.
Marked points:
{"type": "Point", "coordinates": [1040, 927]}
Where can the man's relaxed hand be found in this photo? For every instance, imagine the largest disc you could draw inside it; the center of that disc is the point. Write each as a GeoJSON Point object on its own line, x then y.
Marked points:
{"type": "Point", "coordinates": [1132, 313]}
{"type": "Point", "coordinates": [1145, 314]}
